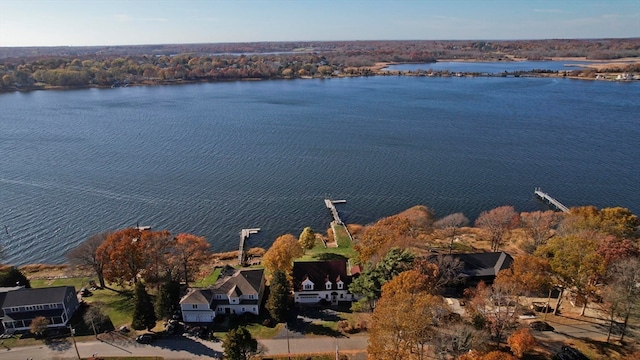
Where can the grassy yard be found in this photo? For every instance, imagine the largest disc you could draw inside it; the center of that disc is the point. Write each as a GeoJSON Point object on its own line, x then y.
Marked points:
{"type": "Point", "coordinates": [115, 302]}
{"type": "Point", "coordinates": [208, 280]}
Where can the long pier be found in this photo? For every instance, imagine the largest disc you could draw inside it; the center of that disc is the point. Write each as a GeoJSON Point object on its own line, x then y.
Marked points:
{"type": "Point", "coordinates": [331, 206]}
{"type": "Point", "coordinates": [244, 235]}
{"type": "Point", "coordinates": [546, 197]}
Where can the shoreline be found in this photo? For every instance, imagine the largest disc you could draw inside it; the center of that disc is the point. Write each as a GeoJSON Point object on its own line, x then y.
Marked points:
{"type": "Point", "coordinates": [378, 69]}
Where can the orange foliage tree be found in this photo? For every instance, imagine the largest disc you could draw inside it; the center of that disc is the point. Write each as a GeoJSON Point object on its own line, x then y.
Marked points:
{"type": "Point", "coordinates": [190, 250]}
{"type": "Point", "coordinates": [122, 255]}
{"type": "Point", "coordinates": [281, 254]}
{"type": "Point", "coordinates": [521, 341]}
{"type": "Point", "coordinates": [405, 318]}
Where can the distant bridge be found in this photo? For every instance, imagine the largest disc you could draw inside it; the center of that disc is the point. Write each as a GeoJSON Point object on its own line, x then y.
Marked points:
{"type": "Point", "coordinates": [546, 197]}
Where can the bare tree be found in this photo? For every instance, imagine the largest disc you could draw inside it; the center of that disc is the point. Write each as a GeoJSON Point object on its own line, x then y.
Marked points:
{"type": "Point", "coordinates": [85, 254]}
{"type": "Point", "coordinates": [498, 221]}
{"type": "Point", "coordinates": [539, 225]}
{"type": "Point", "coordinates": [623, 292]}
{"type": "Point", "coordinates": [450, 224]}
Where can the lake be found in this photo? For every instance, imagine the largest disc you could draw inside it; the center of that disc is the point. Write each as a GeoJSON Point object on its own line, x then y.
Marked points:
{"type": "Point", "coordinates": [212, 159]}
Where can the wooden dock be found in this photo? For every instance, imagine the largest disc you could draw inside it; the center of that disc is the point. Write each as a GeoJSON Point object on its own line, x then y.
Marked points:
{"type": "Point", "coordinates": [244, 235]}
{"type": "Point", "coordinates": [546, 197]}
{"type": "Point", "coordinates": [330, 204]}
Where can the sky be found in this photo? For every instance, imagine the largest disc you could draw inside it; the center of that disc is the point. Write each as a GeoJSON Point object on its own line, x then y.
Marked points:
{"type": "Point", "coordinates": [134, 22]}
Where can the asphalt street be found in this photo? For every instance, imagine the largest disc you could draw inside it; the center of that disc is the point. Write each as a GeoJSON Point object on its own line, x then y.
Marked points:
{"type": "Point", "coordinates": [180, 347]}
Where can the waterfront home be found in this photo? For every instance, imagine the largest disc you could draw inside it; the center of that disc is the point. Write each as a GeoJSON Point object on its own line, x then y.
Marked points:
{"type": "Point", "coordinates": [316, 281]}
{"type": "Point", "coordinates": [236, 293]}
{"type": "Point", "coordinates": [20, 306]}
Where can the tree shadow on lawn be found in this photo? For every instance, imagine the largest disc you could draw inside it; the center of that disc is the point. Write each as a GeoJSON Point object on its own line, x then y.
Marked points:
{"type": "Point", "coordinates": [304, 327]}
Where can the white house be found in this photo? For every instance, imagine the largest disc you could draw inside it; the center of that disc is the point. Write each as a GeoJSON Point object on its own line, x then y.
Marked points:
{"type": "Point", "coordinates": [238, 293]}
{"type": "Point", "coordinates": [315, 281]}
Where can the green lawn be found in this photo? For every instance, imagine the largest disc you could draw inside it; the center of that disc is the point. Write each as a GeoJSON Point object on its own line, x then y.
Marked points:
{"type": "Point", "coordinates": [342, 235]}
{"type": "Point", "coordinates": [209, 280]}
{"type": "Point", "coordinates": [117, 302]}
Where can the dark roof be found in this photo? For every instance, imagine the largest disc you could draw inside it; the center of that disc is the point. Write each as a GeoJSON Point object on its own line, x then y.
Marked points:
{"type": "Point", "coordinates": [319, 271]}
{"type": "Point", "coordinates": [483, 264]}
{"type": "Point", "coordinates": [23, 297]}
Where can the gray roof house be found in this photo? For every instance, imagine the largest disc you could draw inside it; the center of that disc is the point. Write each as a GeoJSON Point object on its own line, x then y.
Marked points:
{"type": "Point", "coordinates": [238, 293]}
{"type": "Point", "coordinates": [19, 307]}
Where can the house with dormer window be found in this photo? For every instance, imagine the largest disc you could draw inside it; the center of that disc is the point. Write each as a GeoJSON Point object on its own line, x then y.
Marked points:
{"type": "Point", "coordinates": [316, 281]}
{"type": "Point", "coordinates": [239, 292]}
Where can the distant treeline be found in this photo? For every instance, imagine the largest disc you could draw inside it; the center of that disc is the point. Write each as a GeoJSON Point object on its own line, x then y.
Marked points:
{"type": "Point", "coordinates": [41, 67]}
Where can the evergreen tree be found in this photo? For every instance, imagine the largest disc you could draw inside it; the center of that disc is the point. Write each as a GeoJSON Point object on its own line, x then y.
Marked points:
{"type": "Point", "coordinates": [13, 277]}
{"type": "Point", "coordinates": [278, 300]}
{"type": "Point", "coordinates": [239, 344]}
{"type": "Point", "coordinates": [144, 316]}
{"type": "Point", "coordinates": [168, 299]}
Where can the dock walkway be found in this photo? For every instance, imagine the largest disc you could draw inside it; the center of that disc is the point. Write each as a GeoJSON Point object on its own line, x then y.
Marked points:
{"type": "Point", "coordinates": [244, 235]}
{"type": "Point", "coordinates": [546, 197]}
{"type": "Point", "coordinates": [331, 206]}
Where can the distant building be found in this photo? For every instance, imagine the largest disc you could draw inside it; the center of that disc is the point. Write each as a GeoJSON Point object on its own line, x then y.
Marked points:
{"type": "Point", "coordinates": [315, 281]}
{"type": "Point", "coordinates": [20, 306]}
{"type": "Point", "coordinates": [237, 293]}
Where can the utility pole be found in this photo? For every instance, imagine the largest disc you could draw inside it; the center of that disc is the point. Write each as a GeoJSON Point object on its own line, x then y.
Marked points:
{"type": "Point", "coordinates": [288, 348]}
{"type": "Point", "coordinates": [73, 337]}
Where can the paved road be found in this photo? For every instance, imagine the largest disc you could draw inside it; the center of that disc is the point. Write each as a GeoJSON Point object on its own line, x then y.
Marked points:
{"type": "Point", "coordinates": [181, 348]}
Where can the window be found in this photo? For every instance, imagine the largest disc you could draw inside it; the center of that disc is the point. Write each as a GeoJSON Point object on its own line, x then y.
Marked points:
{"type": "Point", "coordinates": [194, 306]}
{"type": "Point", "coordinates": [341, 296]}
{"type": "Point", "coordinates": [308, 286]}
{"type": "Point", "coordinates": [328, 285]}
{"type": "Point", "coordinates": [340, 285]}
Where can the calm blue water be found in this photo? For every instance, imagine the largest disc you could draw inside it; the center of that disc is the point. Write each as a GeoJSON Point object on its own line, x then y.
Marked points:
{"type": "Point", "coordinates": [211, 159]}
{"type": "Point", "coordinates": [492, 67]}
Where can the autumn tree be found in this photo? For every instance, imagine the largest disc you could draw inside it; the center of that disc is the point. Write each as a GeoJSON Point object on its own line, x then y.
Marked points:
{"type": "Point", "coordinates": [498, 222]}
{"type": "Point", "coordinates": [493, 308]}
{"type": "Point", "coordinates": [539, 225]}
{"type": "Point", "coordinates": [279, 294]}
{"type": "Point", "coordinates": [405, 319]}
{"type": "Point", "coordinates": [122, 256]}
{"type": "Point", "coordinates": [616, 221]}
{"type": "Point", "coordinates": [156, 248]}
{"type": "Point", "coordinates": [281, 254]}
{"type": "Point", "coordinates": [307, 239]}
{"type": "Point", "coordinates": [530, 275]}
{"type": "Point", "coordinates": [86, 254]}
{"type": "Point", "coordinates": [144, 316]}
{"type": "Point", "coordinates": [39, 326]}
{"type": "Point", "coordinates": [190, 250]}
{"type": "Point", "coordinates": [613, 249]}
{"type": "Point", "coordinates": [445, 268]}
{"type": "Point", "coordinates": [239, 344]}
{"type": "Point", "coordinates": [521, 341]}
{"type": "Point", "coordinates": [575, 263]}
{"type": "Point", "coordinates": [449, 226]}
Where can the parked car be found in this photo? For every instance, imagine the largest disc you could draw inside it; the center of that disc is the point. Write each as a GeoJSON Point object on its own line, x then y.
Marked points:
{"type": "Point", "coordinates": [146, 338]}
{"type": "Point", "coordinates": [541, 326]}
{"type": "Point", "coordinates": [574, 354]}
